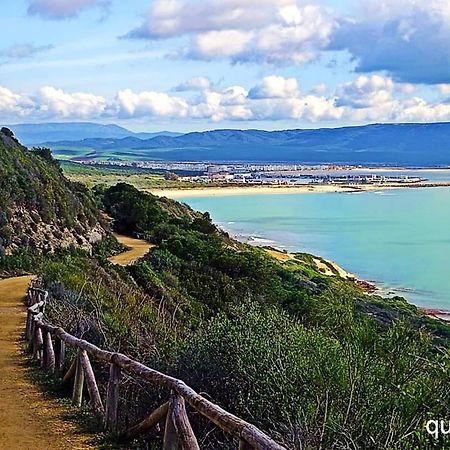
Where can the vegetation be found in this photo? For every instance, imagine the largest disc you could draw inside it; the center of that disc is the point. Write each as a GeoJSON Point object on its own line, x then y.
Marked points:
{"type": "Point", "coordinates": [143, 179]}
{"type": "Point", "coordinates": [311, 359]}
{"type": "Point", "coordinates": [34, 193]}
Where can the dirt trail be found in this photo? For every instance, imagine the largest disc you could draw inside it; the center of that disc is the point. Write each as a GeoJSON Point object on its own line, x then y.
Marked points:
{"type": "Point", "coordinates": [28, 420]}
{"type": "Point", "coordinates": [138, 249]}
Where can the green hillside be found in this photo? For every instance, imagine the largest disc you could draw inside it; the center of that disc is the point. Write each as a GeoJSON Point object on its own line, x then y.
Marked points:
{"type": "Point", "coordinates": [309, 358]}
{"type": "Point", "coordinates": [39, 207]}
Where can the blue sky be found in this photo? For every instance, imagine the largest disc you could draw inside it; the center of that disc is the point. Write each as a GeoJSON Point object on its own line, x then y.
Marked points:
{"type": "Point", "coordinates": [203, 64]}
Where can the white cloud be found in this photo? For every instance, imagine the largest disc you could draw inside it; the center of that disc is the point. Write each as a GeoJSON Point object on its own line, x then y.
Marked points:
{"type": "Point", "coordinates": [274, 31]}
{"type": "Point", "coordinates": [275, 87]}
{"type": "Point", "coordinates": [14, 105]}
{"type": "Point", "coordinates": [52, 102]}
{"type": "Point", "coordinates": [365, 92]}
{"type": "Point", "coordinates": [63, 9]}
{"type": "Point", "coordinates": [149, 104]}
{"type": "Point", "coordinates": [365, 99]}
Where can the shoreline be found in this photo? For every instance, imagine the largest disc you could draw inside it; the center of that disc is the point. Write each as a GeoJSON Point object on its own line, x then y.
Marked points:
{"type": "Point", "coordinates": [370, 288]}
{"type": "Point", "coordinates": [325, 266]}
{"type": "Point", "coordinates": [226, 190]}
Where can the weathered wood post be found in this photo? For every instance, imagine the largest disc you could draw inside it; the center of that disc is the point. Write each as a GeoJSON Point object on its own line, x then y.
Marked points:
{"type": "Point", "coordinates": [91, 384]}
{"type": "Point", "coordinates": [186, 436]}
{"type": "Point", "coordinates": [28, 326]}
{"type": "Point", "coordinates": [38, 341]}
{"type": "Point", "coordinates": [77, 397]}
{"type": "Point", "coordinates": [49, 353]}
{"type": "Point", "coordinates": [32, 337]}
{"type": "Point", "coordinates": [112, 398]}
{"type": "Point", "coordinates": [171, 441]}
{"type": "Point", "coordinates": [60, 355]}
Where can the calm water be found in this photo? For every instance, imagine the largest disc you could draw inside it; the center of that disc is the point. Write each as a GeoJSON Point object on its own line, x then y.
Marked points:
{"type": "Point", "coordinates": [399, 239]}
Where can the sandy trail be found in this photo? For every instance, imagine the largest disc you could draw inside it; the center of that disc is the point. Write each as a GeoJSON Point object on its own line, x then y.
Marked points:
{"type": "Point", "coordinates": [138, 249]}
{"type": "Point", "coordinates": [28, 420]}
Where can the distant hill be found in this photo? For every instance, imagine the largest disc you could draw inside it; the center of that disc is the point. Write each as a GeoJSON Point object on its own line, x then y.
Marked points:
{"type": "Point", "coordinates": [379, 144]}
{"type": "Point", "coordinates": [39, 207]}
{"type": "Point", "coordinates": [34, 134]}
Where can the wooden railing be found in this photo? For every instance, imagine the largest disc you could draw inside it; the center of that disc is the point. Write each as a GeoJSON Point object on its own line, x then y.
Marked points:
{"type": "Point", "coordinates": [48, 343]}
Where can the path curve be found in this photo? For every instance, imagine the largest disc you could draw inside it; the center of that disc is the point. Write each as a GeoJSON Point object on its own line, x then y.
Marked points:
{"type": "Point", "coordinates": [29, 420]}
{"type": "Point", "coordinates": [137, 249]}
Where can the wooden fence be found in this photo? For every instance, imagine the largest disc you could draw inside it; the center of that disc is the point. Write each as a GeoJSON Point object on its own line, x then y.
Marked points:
{"type": "Point", "coordinates": [48, 343]}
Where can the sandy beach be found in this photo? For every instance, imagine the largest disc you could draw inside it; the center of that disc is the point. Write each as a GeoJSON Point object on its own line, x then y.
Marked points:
{"type": "Point", "coordinates": [264, 190]}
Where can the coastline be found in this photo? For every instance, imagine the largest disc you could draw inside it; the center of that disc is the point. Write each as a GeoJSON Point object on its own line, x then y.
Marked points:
{"type": "Point", "coordinates": [227, 190]}
{"type": "Point", "coordinates": [325, 266]}
{"type": "Point", "coordinates": [262, 190]}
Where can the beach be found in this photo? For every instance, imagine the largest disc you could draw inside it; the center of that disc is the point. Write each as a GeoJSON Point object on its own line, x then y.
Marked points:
{"type": "Point", "coordinates": [228, 190]}
{"type": "Point", "coordinates": [263, 190]}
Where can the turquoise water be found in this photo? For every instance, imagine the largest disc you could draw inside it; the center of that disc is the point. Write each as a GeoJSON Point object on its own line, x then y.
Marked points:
{"type": "Point", "coordinates": [399, 239]}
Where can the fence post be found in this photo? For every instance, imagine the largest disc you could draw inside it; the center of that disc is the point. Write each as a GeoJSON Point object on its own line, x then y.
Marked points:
{"type": "Point", "coordinates": [112, 398]}
{"type": "Point", "coordinates": [185, 433]}
{"type": "Point", "coordinates": [77, 397]}
{"type": "Point", "coordinates": [28, 326]}
{"type": "Point", "coordinates": [171, 441]}
{"type": "Point", "coordinates": [91, 384]}
{"type": "Point", "coordinates": [60, 355]}
{"type": "Point", "coordinates": [38, 341]}
{"type": "Point", "coordinates": [49, 353]}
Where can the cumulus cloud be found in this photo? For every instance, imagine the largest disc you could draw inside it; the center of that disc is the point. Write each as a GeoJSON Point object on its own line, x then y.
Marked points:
{"type": "Point", "coordinates": [22, 51]}
{"type": "Point", "coordinates": [63, 9]}
{"type": "Point", "coordinates": [364, 99]}
{"type": "Point", "coordinates": [13, 104]}
{"type": "Point", "coordinates": [149, 103]}
{"type": "Point", "coordinates": [408, 39]}
{"type": "Point", "coordinates": [275, 87]}
{"type": "Point", "coordinates": [365, 92]}
{"type": "Point", "coordinates": [51, 102]}
{"type": "Point", "coordinates": [274, 31]}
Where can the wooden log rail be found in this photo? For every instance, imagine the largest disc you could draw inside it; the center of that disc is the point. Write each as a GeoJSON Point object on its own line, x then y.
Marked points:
{"type": "Point", "coordinates": [48, 343]}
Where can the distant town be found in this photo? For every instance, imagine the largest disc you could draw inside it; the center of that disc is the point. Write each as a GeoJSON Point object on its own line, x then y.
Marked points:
{"type": "Point", "coordinates": [262, 174]}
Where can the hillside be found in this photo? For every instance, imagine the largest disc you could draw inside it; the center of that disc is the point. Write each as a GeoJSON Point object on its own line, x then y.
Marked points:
{"type": "Point", "coordinates": [39, 207]}
{"type": "Point", "coordinates": [390, 144]}
{"type": "Point", "coordinates": [36, 133]}
{"type": "Point", "coordinates": [308, 357]}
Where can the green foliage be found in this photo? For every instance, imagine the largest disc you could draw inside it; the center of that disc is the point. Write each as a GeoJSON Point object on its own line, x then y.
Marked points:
{"type": "Point", "coordinates": [309, 358]}
{"type": "Point", "coordinates": [33, 181]}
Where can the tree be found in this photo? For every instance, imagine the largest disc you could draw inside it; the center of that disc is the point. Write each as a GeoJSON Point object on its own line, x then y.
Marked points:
{"type": "Point", "coordinates": [7, 132]}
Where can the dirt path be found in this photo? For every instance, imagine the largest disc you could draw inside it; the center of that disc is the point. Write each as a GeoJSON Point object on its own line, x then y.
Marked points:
{"type": "Point", "coordinates": [28, 420]}
{"type": "Point", "coordinates": [138, 249]}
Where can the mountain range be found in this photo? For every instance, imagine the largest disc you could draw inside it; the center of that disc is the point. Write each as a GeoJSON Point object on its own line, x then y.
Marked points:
{"type": "Point", "coordinates": [37, 133]}
{"type": "Point", "coordinates": [409, 144]}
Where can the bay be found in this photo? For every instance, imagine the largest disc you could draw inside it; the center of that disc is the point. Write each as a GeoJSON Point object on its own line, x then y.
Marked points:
{"type": "Point", "coordinates": [399, 239]}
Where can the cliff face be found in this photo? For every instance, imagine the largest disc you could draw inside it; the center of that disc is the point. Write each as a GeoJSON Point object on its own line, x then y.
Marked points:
{"type": "Point", "coordinates": [39, 207]}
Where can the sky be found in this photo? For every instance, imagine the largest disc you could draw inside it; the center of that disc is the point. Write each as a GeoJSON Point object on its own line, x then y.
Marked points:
{"type": "Point", "coordinates": [185, 65]}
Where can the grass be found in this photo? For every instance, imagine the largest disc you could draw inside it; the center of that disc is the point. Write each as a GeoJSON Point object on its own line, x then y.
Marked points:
{"type": "Point", "coordinates": [141, 179]}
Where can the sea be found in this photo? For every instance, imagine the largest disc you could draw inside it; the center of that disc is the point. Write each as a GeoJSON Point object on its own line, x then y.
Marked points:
{"type": "Point", "coordinates": [398, 239]}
